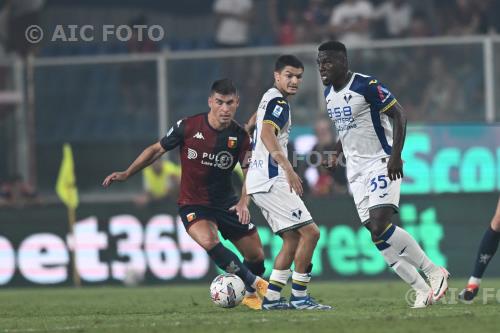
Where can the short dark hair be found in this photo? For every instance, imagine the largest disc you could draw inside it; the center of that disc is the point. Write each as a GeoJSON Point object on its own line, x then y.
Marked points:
{"type": "Point", "coordinates": [333, 45]}
{"type": "Point", "coordinates": [224, 87]}
{"type": "Point", "coordinates": [287, 60]}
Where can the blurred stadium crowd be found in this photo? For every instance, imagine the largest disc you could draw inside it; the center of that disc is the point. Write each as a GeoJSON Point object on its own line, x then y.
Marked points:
{"type": "Point", "coordinates": [208, 24]}
{"type": "Point", "coordinates": [118, 102]}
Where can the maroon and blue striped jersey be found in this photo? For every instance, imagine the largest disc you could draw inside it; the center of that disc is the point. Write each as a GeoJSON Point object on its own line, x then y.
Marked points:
{"type": "Point", "coordinates": [208, 157]}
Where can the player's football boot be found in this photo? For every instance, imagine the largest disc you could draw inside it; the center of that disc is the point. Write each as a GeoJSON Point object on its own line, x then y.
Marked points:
{"type": "Point", "coordinates": [306, 303]}
{"type": "Point", "coordinates": [261, 287]}
{"type": "Point", "coordinates": [279, 304]}
{"type": "Point", "coordinates": [439, 283]}
{"type": "Point", "coordinates": [469, 292]}
{"type": "Point", "coordinates": [252, 301]}
{"type": "Point", "coordinates": [423, 299]}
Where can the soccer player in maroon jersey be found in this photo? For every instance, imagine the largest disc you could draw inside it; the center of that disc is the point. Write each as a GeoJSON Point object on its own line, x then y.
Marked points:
{"type": "Point", "coordinates": [210, 146]}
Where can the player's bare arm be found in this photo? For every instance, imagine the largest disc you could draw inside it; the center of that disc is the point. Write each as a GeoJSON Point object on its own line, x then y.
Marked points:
{"type": "Point", "coordinates": [147, 157]}
{"type": "Point", "coordinates": [241, 207]}
{"type": "Point", "coordinates": [395, 164]}
{"type": "Point", "coordinates": [268, 137]}
{"type": "Point", "coordinates": [250, 125]}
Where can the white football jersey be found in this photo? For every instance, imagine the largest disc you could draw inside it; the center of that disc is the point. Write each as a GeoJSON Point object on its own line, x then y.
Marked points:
{"type": "Point", "coordinates": [358, 114]}
{"type": "Point", "coordinates": [263, 170]}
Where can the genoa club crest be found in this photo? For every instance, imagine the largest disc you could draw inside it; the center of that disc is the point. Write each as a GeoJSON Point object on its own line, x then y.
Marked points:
{"type": "Point", "coordinates": [191, 216]}
{"type": "Point", "coordinates": [232, 142]}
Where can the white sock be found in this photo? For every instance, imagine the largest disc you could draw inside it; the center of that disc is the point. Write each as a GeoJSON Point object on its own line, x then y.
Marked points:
{"type": "Point", "coordinates": [277, 281]}
{"type": "Point", "coordinates": [474, 280]}
{"type": "Point", "coordinates": [407, 272]}
{"type": "Point", "coordinates": [407, 247]}
{"type": "Point", "coordinates": [299, 284]}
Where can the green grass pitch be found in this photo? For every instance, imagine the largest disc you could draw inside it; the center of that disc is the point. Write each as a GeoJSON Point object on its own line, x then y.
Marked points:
{"type": "Point", "coordinates": [373, 306]}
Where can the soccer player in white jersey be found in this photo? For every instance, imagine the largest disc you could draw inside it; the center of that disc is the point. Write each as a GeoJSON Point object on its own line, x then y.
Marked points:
{"type": "Point", "coordinates": [360, 107]}
{"type": "Point", "coordinates": [276, 188]}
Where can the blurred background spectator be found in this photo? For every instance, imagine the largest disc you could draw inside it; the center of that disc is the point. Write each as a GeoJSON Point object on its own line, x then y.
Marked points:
{"type": "Point", "coordinates": [396, 16]}
{"type": "Point", "coordinates": [321, 181]}
{"type": "Point", "coordinates": [350, 21]}
{"type": "Point", "coordinates": [15, 192]}
{"type": "Point", "coordinates": [19, 15]}
{"type": "Point", "coordinates": [161, 182]}
{"type": "Point", "coordinates": [233, 19]}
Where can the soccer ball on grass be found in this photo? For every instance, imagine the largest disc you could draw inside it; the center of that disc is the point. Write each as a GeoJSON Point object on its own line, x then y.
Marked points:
{"type": "Point", "coordinates": [227, 290]}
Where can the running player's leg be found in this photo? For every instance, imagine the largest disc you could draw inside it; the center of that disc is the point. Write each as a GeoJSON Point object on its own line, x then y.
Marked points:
{"type": "Point", "coordinates": [282, 263]}
{"type": "Point", "coordinates": [247, 241]}
{"type": "Point", "coordinates": [487, 249]}
{"type": "Point", "coordinates": [309, 236]}
{"type": "Point", "coordinates": [362, 189]}
{"type": "Point", "coordinates": [406, 271]}
{"type": "Point", "coordinates": [285, 212]}
{"type": "Point", "coordinates": [204, 232]}
{"type": "Point", "coordinates": [251, 248]}
{"type": "Point", "coordinates": [383, 200]}
{"type": "Point", "coordinates": [390, 235]}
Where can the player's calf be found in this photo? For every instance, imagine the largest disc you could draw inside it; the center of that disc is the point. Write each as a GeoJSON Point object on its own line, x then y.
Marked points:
{"type": "Point", "coordinates": [229, 262]}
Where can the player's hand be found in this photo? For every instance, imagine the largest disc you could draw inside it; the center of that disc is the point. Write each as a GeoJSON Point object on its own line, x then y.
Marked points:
{"type": "Point", "coordinates": [242, 211]}
{"type": "Point", "coordinates": [330, 161]}
{"type": "Point", "coordinates": [395, 167]}
{"type": "Point", "coordinates": [115, 177]}
{"type": "Point", "coordinates": [295, 182]}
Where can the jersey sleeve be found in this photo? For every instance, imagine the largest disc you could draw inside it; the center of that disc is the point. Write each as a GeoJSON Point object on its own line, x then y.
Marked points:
{"type": "Point", "coordinates": [378, 96]}
{"type": "Point", "coordinates": [277, 113]}
{"type": "Point", "coordinates": [174, 137]}
{"type": "Point", "coordinates": [245, 151]}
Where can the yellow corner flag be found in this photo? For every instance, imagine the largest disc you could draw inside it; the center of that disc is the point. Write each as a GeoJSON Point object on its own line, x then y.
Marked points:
{"type": "Point", "coordinates": [66, 182]}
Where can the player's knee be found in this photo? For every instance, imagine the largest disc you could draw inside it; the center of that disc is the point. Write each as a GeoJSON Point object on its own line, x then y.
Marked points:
{"type": "Point", "coordinates": [315, 235]}
{"type": "Point", "coordinates": [208, 243]}
{"type": "Point", "coordinates": [377, 228]}
{"type": "Point", "coordinates": [311, 233]}
{"type": "Point", "coordinates": [255, 256]}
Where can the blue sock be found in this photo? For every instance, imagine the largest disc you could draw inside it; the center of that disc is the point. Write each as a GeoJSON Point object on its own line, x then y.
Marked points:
{"type": "Point", "coordinates": [229, 262]}
{"type": "Point", "coordinates": [257, 268]}
{"type": "Point", "coordinates": [487, 249]}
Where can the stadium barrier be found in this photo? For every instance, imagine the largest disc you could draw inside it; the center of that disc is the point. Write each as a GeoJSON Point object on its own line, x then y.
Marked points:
{"type": "Point", "coordinates": [117, 242]}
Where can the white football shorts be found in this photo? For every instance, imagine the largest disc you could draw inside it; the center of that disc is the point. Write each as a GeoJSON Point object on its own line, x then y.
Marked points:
{"type": "Point", "coordinates": [283, 210]}
{"type": "Point", "coordinates": [373, 189]}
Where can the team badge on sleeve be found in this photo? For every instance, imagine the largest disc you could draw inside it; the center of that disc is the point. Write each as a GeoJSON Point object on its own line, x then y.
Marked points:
{"type": "Point", "coordinates": [277, 111]}
{"type": "Point", "coordinates": [383, 93]}
{"type": "Point", "coordinates": [232, 142]}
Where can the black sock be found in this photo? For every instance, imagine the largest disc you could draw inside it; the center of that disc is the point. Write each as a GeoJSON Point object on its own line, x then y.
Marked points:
{"type": "Point", "coordinates": [229, 262]}
{"type": "Point", "coordinates": [487, 249]}
{"type": "Point", "coordinates": [257, 268]}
